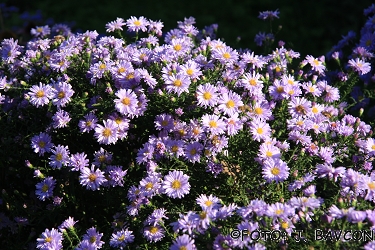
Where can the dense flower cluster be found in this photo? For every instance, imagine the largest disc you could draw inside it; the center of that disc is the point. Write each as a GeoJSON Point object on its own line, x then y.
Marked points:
{"type": "Point", "coordinates": [165, 128]}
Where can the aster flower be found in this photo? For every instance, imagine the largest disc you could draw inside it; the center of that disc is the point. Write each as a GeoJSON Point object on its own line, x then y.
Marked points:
{"type": "Point", "coordinates": [316, 64]}
{"type": "Point", "coordinates": [299, 107]}
{"type": "Point", "coordinates": [115, 25]}
{"type": "Point", "coordinates": [67, 224]}
{"type": "Point", "coordinates": [116, 176]}
{"type": "Point", "coordinates": [213, 123]}
{"type": "Point", "coordinates": [153, 233]}
{"type": "Point", "coordinates": [60, 119]}
{"type": "Point", "coordinates": [44, 189]}
{"type": "Point", "coordinates": [191, 68]}
{"type": "Point", "coordinates": [62, 93]}
{"type": "Point", "coordinates": [275, 170]}
{"type": "Point", "coordinates": [10, 50]}
{"type": "Point", "coordinates": [225, 55]}
{"type": "Point", "coordinates": [41, 143]}
{"type": "Point", "coordinates": [121, 238]}
{"type": "Point", "coordinates": [127, 102]}
{"type": "Point", "coordinates": [210, 202]}
{"type": "Point", "coordinates": [40, 31]}
{"type": "Point", "coordinates": [88, 124]}
{"type": "Point", "coordinates": [92, 178]}
{"type": "Point", "coordinates": [206, 95]}
{"type": "Point", "coordinates": [262, 110]}
{"type": "Point", "coordinates": [264, 15]}
{"type": "Point", "coordinates": [106, 134]}
{"type": "Point", "coordinates": [60, 156]}
{"type": "Point", "coordinates": [177, 83]}
{"type": "Point", "coordinates": [176, 184]}
{"type": "Point", "coordinates": [50, 239]}
{"type": "Point", "coordinates": [260, 129]}
{"type": "Point", "coordinates": [40, 95]}
{"type": "Point", "coordinates": [193, 151]}
{"type": "Point", "coordinates": [229, 103]}
{"type": "Point", "coordinates": [151, 185]}
{"type": "Point", "coordinates": [137, 24]}
{"type": "Point", "coordinates": [157, 216]}
{"type": "Point", "coordinates": [94, 237]}
{"type": "Point", "coordinates": [78, 161]}
{"type": "Point", "coordinates": [280, 210]}
{"type": "Point", "coordinates": [367, 184]}
{"type": "Point", "coordinates": [183, 242]}
{"type": "Point", "coordinates": [359, 66]}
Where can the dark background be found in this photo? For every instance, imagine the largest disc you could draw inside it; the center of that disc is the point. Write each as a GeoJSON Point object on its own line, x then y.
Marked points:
{"type": "Point", "coordinates": [309, 27]}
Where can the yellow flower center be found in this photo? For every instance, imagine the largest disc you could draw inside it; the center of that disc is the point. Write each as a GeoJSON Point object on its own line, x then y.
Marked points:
{"type": "Point", "coordinates": [230, 104]}
{"type": "Point", "coordinates": [121, 238]}
{"type": "Point", "coordinates": [88, 123]}
{"type": "Point", "coordinates": [299, 123]}
{"type": "Point", "coordinates": [48, 239]}
{"type": "Point", "coordinates": [202, 215]}
{"type": "Point", "coordinates": [102, 66]}
{"type": "Point", "coordinates": [258, 111]}
{"type": "Point", "coordinates": [92, 177]}
{"type": "Point", "coordinates": [41, 144]}
{"type": "Point", "coordinates": [279, 211]}
{"type": "Point", "coordinates": [177, 83]}
{"type": "Point", "coordinates": [118, 120]}
{"type": "Point", "coordinates": [174, 148]}
{"type": "Point", "coordinates": [137, 23]}
{"type": "Point", "coordinates": [92, 239]}
{"type": "Point", "coordinates": [176, 184]}
{"type": "Point", "coordinates": [207, 95]}
{"type": "Point", "coordinates": [153, 230]}
{"type": "Point", "coordinates": [275, 171]}
{"type": "Point", "coordinates": [193, 151]}
{"type": "Point", "coordinates": [316, 62]}
{"type": "Point", "coordinates": [371, 185]}
{"type": "Point", "coordinates": [208, 203]}
{"type": "Point", "coordinates": [61, 95]}
{"type": "Point", "coordinates": [284, 225]}
{"type": "Point", "coordinates": [226, 55]}
{"type": "Point", "coordinates": [107, 132]}
{"type": "Point", "coordinates": [182, 248]}
{"type": "Point", "coordinates": [253, 82]}
{"type": "Point", "coordinates": [40, 94]}
{"type": "Point", "coordinates": [164, 123]}
{"type": "Point", "coordinates": [269, 154]}
{"type": "Point", "coordinates": [130, 76]}
{"type": "Point", "coordinates": [314, 110]}
{"type": "Point", "coordinates": [260, 131]}
{"type": "Point", "coordinates": [102, 158]}
{"type": "Point", "coordinates": [59, 157]}
{"type": "Point", "coordinates": [277, 69]}
{"type": "Point", "coordinates": [196, 131]}
{"type": "Point", "coordinates": [280, 89]}
{"type": "Point", "coordinates": [45, 188]}
{"type": "Point", "coordinates": [121, 70]}
{"type": "Point", "coordinates": [373, 147]}
{"type": "Point", "coordinates": [149, 186]}
{"type": "Point", "coordinates": [290, 82]}
{"type": "Point", "coordinates": [125, 101]}
{"type": "Point", "coordinates": [189, 72]}
{"type": "Point", "coordinates": [212, 124]}
{"type": "Point", "coordinates": [177, 47]}
{"type": "Point", "coordinates": [312, 89]}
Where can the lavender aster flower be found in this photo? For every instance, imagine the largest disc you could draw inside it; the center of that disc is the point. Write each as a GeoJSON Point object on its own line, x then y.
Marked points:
{"type": "Point", "coordinates": [92, 178]}
{"type": "Point", "coordinates": [153, 233]}
{"type": "Point", "coordinates": [107, 134]}
{"type": "Point", "coordinates": [60, 156]}
{"type": "Point", "coordinates": [50, 239]}
{"type": "Point", "coordinates": [183, 242]}
{"type": "Point", "coordinates": [121, 238]}
{"type": "Point", "coordinates": [115, 25]}
{"type": "Point", "coordinates": [40, 95]}
{"type": "Point", "coordinates": [176, 184]}
{"type": "Point", "coordinates": [93, 237]}
{"type": "Point", "coordinates": [44, 189]}
{"type": "Point", "coordinates": [41, 143]}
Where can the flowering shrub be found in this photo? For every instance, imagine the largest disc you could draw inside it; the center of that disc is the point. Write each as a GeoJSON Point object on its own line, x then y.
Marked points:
{"type": "Point", "coordinates": [182, 142]}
